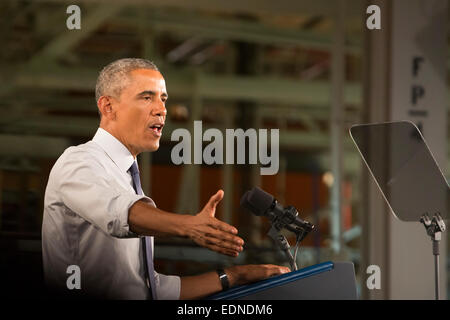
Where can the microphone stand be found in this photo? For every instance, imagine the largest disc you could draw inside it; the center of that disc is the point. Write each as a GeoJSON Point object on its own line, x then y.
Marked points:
{"type": "Point", "coordinates": [286, 218]}
{"type": "Point", "coordinates": [283, 244]}
{"type": "Point", "coordinates": [281, 241]}
{"type": "Point", "coordinates": [434, 228]}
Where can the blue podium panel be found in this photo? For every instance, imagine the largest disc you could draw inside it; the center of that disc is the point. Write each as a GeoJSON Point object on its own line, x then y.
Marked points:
{"type": "Point", "coordinates": [326, 280]}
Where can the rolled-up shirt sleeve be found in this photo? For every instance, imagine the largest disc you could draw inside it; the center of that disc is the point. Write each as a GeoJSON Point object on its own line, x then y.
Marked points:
{"type": "Point", "coordinates": [85, 188]}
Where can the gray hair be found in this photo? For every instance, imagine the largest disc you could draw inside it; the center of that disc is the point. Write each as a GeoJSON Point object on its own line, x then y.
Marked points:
{"type": "Point", "coordinates": [113, 78]}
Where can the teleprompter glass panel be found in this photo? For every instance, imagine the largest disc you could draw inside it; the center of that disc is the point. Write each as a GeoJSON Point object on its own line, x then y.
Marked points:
{"type": "Point", "coordinates": [403, 167]}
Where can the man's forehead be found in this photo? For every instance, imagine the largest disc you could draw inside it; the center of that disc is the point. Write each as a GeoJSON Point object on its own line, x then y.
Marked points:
{"type": "Point", "coordinates": [148, 76]}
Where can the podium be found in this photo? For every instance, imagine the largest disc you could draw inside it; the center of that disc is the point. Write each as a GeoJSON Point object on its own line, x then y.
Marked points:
{"type": "Point", "coordinates": [324, 281]}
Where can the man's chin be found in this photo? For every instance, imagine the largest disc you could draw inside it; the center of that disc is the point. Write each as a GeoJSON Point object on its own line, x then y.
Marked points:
{"type": "Point", "coordinates": [152, 147]}
{"type": "Point", "coordinates": [149, 145]}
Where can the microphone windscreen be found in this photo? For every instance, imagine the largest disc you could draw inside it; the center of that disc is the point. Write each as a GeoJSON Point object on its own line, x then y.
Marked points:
{"type": "Point", "coordinates": [257, 201]}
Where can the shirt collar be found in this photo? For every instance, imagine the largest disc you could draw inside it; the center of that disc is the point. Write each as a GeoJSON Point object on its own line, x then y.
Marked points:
{"type": "Point", "coordinates": [118, 153]}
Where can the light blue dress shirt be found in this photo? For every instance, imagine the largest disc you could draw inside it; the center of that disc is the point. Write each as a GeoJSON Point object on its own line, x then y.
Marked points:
{"type": "Point", "coordinates": [85, 223]}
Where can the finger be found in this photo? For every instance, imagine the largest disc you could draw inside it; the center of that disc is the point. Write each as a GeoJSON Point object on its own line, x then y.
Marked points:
{"type": "Point", "coordinates": [231, 253]}
{"type": "Point", "coordinates": [280, 270]}
{"type": "Point", "coordinates": [230, 244]}
{"type": "Point", "coordinates": [223, 226]}
{"type": "Point", "coordinates": [225, 236]}
{"type": "Point", "coordinates": [276, 270]}
{"type": "Point", "coordinates": [285, 270]}
{"type": "Point", "coordinates": [212, 244]}
{"type": "Point", "coordinates": [209, 232]}
{"type": "Point", "coordinates": [215, 199]}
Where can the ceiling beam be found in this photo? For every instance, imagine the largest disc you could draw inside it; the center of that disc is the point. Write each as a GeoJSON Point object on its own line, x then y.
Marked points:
{"type": "Point", "coordinates": [92, 18]}
{"type": "Point", "coordinates": [32, 146]}
{"type": "Point", "coordinates": [209, 86]}
{"type": "Point", "coordinates": [196, 25]}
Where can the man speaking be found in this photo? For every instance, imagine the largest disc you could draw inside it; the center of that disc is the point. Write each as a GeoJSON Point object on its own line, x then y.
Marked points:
{"type": "Point", "coordinates": [97, 218]}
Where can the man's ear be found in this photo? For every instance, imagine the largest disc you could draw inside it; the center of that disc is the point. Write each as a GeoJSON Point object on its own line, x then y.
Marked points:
{"type": "Point", "coordinates": [105, 107]}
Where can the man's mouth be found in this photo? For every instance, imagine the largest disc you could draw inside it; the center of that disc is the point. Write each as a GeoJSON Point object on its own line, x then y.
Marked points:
{"type": "Point", "coordinates": [157, 128]}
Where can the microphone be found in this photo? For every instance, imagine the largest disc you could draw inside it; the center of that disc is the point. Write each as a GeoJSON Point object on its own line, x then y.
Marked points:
{"type": "Point", "coordinates": [261, 203]}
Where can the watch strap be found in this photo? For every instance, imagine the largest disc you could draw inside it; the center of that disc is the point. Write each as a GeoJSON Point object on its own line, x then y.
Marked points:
{"type": "Point", "coordinates": [223, 279]}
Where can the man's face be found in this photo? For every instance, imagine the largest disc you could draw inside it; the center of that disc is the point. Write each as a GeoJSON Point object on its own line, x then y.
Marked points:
{"type": "Point", "coordinates": [140, 111]}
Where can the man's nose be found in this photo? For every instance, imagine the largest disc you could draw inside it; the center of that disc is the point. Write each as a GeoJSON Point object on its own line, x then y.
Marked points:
{"type": "Point", "coordinates": [159, 110]}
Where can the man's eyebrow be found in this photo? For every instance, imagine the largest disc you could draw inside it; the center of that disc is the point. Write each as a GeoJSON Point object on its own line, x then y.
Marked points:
{"type": "Point", "coordinates": [150, 92]}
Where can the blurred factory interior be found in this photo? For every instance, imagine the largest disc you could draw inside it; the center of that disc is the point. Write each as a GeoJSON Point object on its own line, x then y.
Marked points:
{"type": "Point", "coordinates": [300, 66]}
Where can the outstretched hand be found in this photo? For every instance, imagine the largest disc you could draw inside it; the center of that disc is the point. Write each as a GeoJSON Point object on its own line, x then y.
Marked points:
{"type": "Point", "coordinates": [209, 232]}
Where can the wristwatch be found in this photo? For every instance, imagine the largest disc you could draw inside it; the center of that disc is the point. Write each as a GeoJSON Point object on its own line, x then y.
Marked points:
{"type": "Point", "coordinates": [223, 279]}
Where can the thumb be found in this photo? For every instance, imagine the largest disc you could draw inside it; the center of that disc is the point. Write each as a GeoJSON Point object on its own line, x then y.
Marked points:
{"type": "Point", "coordinates": [214, 200]}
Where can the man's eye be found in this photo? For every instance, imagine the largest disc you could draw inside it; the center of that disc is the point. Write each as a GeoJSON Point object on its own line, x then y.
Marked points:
{"type": "Point", "coordinates": [147, 98]}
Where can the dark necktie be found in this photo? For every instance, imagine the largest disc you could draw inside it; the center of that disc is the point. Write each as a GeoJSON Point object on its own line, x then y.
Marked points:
{"type": "Point", "coordinates": [146, 241]}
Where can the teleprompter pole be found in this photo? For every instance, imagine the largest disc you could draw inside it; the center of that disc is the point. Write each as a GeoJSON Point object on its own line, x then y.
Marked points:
{"type": "Point", "coordinates": [434, 227]}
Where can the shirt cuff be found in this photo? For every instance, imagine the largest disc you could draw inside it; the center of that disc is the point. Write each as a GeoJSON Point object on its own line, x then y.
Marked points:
{"type": "Point", "coordinates": [168, 287]}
